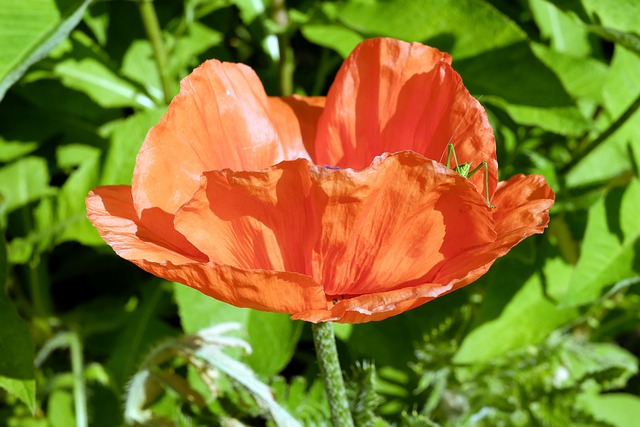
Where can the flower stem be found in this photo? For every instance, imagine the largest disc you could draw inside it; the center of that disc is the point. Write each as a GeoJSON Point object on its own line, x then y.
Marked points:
{"type": "Point", "coordinates": [154, 32]}
{"type": "Point", "coordinates": [286, 63]}
{"type": "Point", "coordinates": [325, 342]}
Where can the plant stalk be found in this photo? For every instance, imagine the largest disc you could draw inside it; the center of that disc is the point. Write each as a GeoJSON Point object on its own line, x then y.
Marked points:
{"type": "Point", "coordinates": [79, 388]}
{"type": "Point", "coordinates": [286, 63]}
{"type": "Point", "coordinates": [325, 342]}
{"type": "Point", "coordinates": [630, 111]}
{"type": "Point", "coordinates": [154, 33]}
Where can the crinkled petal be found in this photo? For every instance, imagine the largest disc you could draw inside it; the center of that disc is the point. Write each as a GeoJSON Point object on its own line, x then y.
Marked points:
{"type": "Point", "coordinates": [392, 224]}
{"type": "Point", "coordinates": [220, 119]}
{"type": "Point", "coordinates": [171, 257]}
{"type": "Point", "coordinates": [390, 96]}
{"type": "Point", "coordinates": [523, 209]}
{"type": "Point", "coordinates": [374, 307]}
{"type": "Point", "coordinates": [355, 232]}
{"type": "Point", "coordinates": [523, 204]}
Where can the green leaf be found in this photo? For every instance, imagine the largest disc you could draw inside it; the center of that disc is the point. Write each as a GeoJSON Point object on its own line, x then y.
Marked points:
{"type": "Point", "coordinates": [72, 220]}
{"type": "Point", "coordinates": [450, 25]}
{"type": "Point", "coordinates": [528, 317]}
{"type": "Point", "coordinates": [611, 158]}
{"type": "Point", "coordinates": [126, 137]}
{"type": "Point", "coordinates": [24, 181]}
{"type": "Point", "coordinates": [60, 413]}
{"type": "Point", "coordinates": [17, 375]}
{"type": "Point", "coordinates": [272, 336]}
{"type": "Point", "coordinates": [29, 30]}
{"type": "Point", "coordinates": [186, 50]}
{"type": "Point", "coordinates": [622, 15]}
{"type": "Point", "coordinates": [535, 97]}
{"type": "Point", "coordinates": [335, 37]}
{"type": "Point", "coordinates": [565, 33]}
{"type": "Point", "coordinates": [581, 77]}
{"type": "Point", "coordinates": [610, 246]}
{"type": "Point", "coordinates": [609, 364]}
{"type": "Point", "coordinates": [617, 409]}
{"type": "Point", "coordinates": [81, 65]}
{"type": "Point", "coordinates": [621, 90]}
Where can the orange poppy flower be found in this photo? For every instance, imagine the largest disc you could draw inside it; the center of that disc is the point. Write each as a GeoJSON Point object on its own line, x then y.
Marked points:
{"type": "Point", "coordinates": [330, 209]}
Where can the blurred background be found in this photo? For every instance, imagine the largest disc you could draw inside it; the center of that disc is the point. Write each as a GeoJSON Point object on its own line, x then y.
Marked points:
{"type": "Point", "coordinates": [549, 337]}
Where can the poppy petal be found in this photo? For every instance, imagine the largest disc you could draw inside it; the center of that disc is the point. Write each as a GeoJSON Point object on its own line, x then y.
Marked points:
{"type": "Point", "coordinates": [253, 220]}
{"type": "Point", "coordinates": [376, 306]}
{"type": "Point", "coordinates": [523, 204]}
{"type": "Point", "coordinates": [390, 96]}
{"type": "Point", "coordinates": [220, 119]}
{"type": "Point", "coordinates": [355, 232]}
{"type": "Point", "coordinates": [296, 118]}
{"type": "Point", "coordinates": [394, 223]}
{"type": "Point", "coordinates": [111, 210]}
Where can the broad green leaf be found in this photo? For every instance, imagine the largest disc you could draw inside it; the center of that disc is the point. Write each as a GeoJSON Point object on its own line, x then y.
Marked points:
{"type": "Point", "coordinates": [514, 79]}
{"type": "Point", "coordinates": [72, 222]}
{"type": "Point", "coordinates": [450, 25]}
{"type": "Point", "coordinates": [188, 47]}
{"type": "Point", "coordinates": [605, 162]}
{"type": "Point", "coordinates": [617, 409]}
{"type": "Point", "coordinates": [250, 10]}
{"type": "Point", "coordinates": [336, 37]}
{"type": "Point", "coordinates": [622, 15]}
{"type": "Point", "coordinates": [272, 336]}
{"type": "Point", "coordinates": [611, 365]}
{"type": "Point", "coordinates": [612, 157]}
{"type": "Point", "coordinates": [125, 139]}
{"type": "Point", "coordinates": [17, 375]}
{"type": "Point", "coordinates": [24, 181]}
{"type": "Point", "coordinates": [581, 77]}
{"type": "Point", "coordinates": [97, 19]}
{"type": "Point", "coordinates": [60, 412]}
{"type": "Point", "coordinates": [528, 317]}
{"type": "Point", "coordinates": [610, 245]}
{"type": "Point", "coordinates": [621, 90]}
{"type": "Point", "coordinates": [139, 65]}
{"type": "Point", "coordinates": [29, 30]}
{"type": "Point", "coordinates": [565, 33]}
{"type": "Point", "coordinates": [80, 65]}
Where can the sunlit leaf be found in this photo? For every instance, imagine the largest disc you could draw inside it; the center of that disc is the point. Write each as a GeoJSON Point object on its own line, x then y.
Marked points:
{"type": "Point", "coordinates": [528, 317]}
{"type": "Point", "coordinates": [29, 30]}
{"type": "Point", "coordinates": [611, 241]}
{"type": "Point", "coordinates": [24, 181]}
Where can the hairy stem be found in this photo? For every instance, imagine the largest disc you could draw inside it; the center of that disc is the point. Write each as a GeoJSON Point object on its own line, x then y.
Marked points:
{"type": "Point", "coordinates": [325, 342]}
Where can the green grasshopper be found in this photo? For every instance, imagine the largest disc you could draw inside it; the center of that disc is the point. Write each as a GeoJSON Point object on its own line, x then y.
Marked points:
{"type": "Point", "coordinates": [465, 171]}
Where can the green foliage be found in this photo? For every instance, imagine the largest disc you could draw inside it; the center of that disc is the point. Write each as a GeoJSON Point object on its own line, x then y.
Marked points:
{"type": "Point", "coordinates": [547, 337]}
